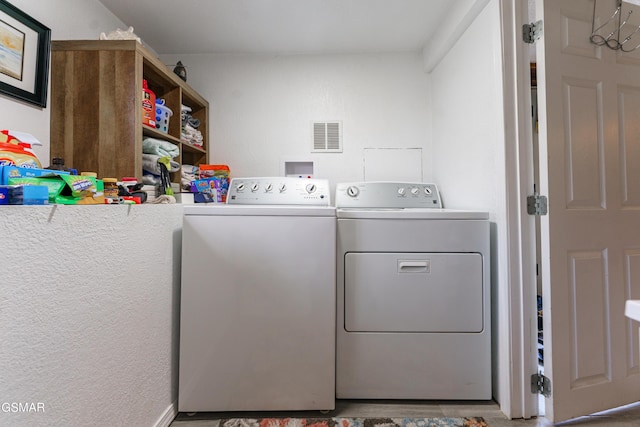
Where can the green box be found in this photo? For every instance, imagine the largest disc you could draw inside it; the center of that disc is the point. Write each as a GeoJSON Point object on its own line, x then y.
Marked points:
{"type": "Point", "coordinates": [64, 189]}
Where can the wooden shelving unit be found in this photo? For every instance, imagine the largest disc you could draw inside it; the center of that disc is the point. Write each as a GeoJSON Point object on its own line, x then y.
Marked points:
{"type": "Point", "coordinates": [96, 107]}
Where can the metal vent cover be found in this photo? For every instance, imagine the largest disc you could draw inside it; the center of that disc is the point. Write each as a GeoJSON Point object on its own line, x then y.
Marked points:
{"type": "Point", "coordinates": [327, 137]}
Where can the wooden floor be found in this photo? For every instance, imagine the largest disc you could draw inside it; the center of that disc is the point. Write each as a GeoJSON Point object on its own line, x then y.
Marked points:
{"type": "Point", "coordinates": [623, 417]}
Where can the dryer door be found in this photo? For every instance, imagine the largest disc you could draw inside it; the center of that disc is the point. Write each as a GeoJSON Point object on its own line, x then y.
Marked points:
{"type": "Point", "coordinates": [413, 292]}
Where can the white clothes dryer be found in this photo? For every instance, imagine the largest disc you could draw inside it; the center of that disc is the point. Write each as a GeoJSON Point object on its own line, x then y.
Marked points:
{"type": "Point", "coordinates": [413, 297]}
{"type": "Point", "coordinates": [257, 309]}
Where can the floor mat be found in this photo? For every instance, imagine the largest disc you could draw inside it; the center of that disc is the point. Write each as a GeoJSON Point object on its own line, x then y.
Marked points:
{"type": "Point", "coordinates": [355, 422]}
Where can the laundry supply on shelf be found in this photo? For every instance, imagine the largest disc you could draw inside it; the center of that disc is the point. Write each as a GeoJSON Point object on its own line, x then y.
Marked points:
{"type": "Point", "coordinates": [220, 172]}
{"type": "Point", "coordinates": [208, 190]}
{"type": "Point", "coordinates": [162, 116]}
{"type": "Point", "coordinates": [15, 149]}
{"type": "Point", "coordinates": [24, 195]}
{"type": "Point", "coordinates": [148, 105]}
{"type": "Point", "coordinates": [7, 172]}
{"type": "Point", "coordinates": [64, 188]}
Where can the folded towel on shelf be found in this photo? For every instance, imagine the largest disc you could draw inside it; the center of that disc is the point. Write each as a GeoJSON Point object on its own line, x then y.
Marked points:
{"type": "Point", "coordinates": [185, 117]}
{"type": "Point", "coordinates": [151, 179]}
{"type": "Point", "coordinates": [189, 174]}
{"type": "Point", "coordinates": [185, 183]}
{"type": "Point", "coordinates": [150, 163]}
{"type": "Point", "coordinates": [191, 136]}
{"type": "Point", "coordinates": [160, 147]}
{"type": "Point", "coordinates": [190, 169]}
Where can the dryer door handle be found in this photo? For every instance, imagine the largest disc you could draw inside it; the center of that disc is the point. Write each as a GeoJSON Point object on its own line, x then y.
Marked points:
{"type": "Point", "coordinates": [414, 266]}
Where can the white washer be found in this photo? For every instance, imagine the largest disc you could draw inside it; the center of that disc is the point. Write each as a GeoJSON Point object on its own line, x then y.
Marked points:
{"type": "Point", "coordinates": [257, 310]}
{"type": "Point", "coordinates": [413, 297]}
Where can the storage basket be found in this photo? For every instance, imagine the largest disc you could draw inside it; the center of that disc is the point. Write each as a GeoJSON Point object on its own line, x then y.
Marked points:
{"type": "Point", "coordinates": [163, 113]}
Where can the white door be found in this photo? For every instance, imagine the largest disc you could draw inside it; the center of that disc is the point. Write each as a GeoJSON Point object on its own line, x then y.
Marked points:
{"type": "Point", "coordinates": [589, 106]}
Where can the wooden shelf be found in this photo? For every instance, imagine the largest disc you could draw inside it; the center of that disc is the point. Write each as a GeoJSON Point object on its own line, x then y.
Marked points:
{"type": "Point", "coordinates": [96, 107]}
{"type": "Point", "coordinates": [193, 148]}
{"type": "Point", "coordinates": [154, 133]}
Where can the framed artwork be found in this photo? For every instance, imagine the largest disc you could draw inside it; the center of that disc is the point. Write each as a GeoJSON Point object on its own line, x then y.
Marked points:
{"type": "Point", "coordinates": [25, 45]}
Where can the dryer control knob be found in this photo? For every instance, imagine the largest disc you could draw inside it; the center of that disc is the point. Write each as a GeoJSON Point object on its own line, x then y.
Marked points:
{"type": "Point", "coordinates": [415, 191]}
{"type": "Point", "coordinates": [240, 188]}
{"type": "Point", "coordinates": [311, 188]}
{"type": "Point", "coordinates": [255, 186]}
{"type": "Point", "coordinates": [268, 187]}
{"type": "Point", "coordinates": [402, 191]}
{"type": "Point", "coordinates": [282, 188]}
{"type": "Point", "coordinates": [352, 191]}
{"type": "Point", "coordinates": [427, 191]}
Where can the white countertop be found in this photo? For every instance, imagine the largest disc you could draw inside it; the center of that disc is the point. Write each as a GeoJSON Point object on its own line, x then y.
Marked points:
{"type": "Point", "coordinates": [632, 309]}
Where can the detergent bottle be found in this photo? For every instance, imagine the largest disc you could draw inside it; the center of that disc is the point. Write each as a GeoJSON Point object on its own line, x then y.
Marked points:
{"type": "Point", "coordinates": [148, 105]}
{"type": "Point", "coordinates": [14, 152]}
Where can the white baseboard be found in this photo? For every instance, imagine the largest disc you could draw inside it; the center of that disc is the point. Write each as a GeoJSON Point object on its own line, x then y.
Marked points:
{"type": "Point", "coordinates": [168, 415]}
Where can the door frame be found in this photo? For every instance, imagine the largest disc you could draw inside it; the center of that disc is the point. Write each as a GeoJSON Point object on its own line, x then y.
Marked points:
{"type": "Point", "coordinates": [521, 331]}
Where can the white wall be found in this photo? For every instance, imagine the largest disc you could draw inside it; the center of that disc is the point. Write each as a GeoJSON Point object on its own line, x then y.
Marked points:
{"type": "Point", "coordinates": [89, 314]}
{"type": "Point", "coordinates": [469, 153]}
{"type": "Point", "coordinates": [67, 19]}
{"type": "Point", "coordinates": [262, 107]}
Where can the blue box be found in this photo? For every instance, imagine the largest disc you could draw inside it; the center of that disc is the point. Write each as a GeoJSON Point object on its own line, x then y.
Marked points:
{"type": "Point", "coordinates": [4, 195]}
{"type": "Point", "coordinates": [28, 195]}
{"type": "Point", "coordinates": [203, 198]}
{"type": "Point", "coordinates": [7, 172]}
{"type": "Point", "coordinates": [211, 186]}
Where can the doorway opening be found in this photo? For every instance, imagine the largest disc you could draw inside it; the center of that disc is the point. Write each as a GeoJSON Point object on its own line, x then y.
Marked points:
{"type": "Point", "coordinates": [536, 172]}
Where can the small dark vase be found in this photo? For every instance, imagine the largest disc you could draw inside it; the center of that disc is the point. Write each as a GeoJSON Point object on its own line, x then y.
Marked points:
{"type": "Point", "coordinates": [181, 71]}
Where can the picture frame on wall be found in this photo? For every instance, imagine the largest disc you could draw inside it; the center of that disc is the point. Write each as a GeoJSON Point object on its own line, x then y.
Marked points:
{"type": "Point", "coordinates": [25, 46]}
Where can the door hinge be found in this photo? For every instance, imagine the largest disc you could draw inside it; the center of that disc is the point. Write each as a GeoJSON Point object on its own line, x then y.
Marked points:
{"type": "Point", "coordinates": [532, 32]}
{"type": "Point", "coordinates": [540, 384]}
{"type": "Point", "coordinates": [537, 205]}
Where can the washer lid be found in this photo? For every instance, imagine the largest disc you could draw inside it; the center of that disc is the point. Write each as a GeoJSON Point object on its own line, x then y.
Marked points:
{"type": "Point", "coordinates": [220, 209]}
{"type": "Point", "coordinates": [411, 213]}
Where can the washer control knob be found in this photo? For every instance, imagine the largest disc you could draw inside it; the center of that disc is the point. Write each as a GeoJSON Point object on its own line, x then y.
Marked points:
{"type": "Point", "coordinates": [311, 188]}
{"type": "Point", "coordinates": [268, 187]}
{"type": "Point", "coordinates": [402, 191]}
{"type": "Point", "coordinates": [255, 186]}
{"type": "Point", "coordinates": [282, 188]}
{"type": "Point", "coordinates": [427, 191]}
{"type": "Point", "coordinates": [240, 188]}
{"type": "Point", "coordinates": [352, 191]}
{"type": "Point", "coordinates": [415, 191]}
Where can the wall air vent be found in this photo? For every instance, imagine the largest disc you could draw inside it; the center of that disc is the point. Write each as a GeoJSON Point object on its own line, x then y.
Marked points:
{"type": "Point", "coordinates": [327, 137]}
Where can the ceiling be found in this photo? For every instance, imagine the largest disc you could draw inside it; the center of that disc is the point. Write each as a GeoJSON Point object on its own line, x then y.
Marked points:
{"type": "Point", "coordinates": [281, 26]}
